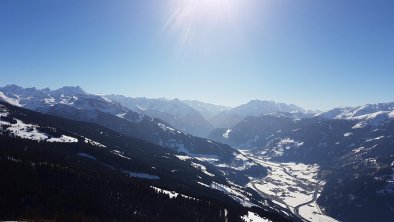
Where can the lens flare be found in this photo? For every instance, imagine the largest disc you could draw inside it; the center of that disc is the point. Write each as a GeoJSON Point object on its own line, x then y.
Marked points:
{"type": "Point", "coordinates": [193, 21]}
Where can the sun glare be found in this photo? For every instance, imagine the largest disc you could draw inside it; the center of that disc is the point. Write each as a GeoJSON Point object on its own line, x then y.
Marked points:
{"type": "Point", "coordinates": [191, 18]}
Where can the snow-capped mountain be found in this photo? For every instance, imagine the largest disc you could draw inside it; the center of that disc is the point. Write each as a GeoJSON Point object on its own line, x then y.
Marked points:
{"type": "Point", "coordinates": [231, 117]}
{"type": "Point", "coordinates": [352, 146]}
{"type": "Point", "coordinates": [36, 99]}
{"type": "Point", "coordinates": [175, 112]}
{"type": "Point", "coordinates": [252, 131]}
{"type": "Point", "coordinates": [310, 167]}
{"type": "Point", "coordinates": [89, 157]}
{"type": "Point", "coordinates": [207, 110]}
{"type": "Point", "coordinates": [74, 103]}
{"type": "Point", "coordinates": [60, 164]}
{"type": "Point", "coordinates": [370, 114]}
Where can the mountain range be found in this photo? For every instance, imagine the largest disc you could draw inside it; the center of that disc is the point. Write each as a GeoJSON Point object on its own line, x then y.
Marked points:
{"type": "Point", "coordinates": [262, 159]}
{"type": "Point", "coordinates": [175, 112]}
{"type": "Point", "coordinates": [74, 103]}
{"type": "Point", "coordinates": [113, 176]}
{"type": "Point", "coordinates": [353, 146]}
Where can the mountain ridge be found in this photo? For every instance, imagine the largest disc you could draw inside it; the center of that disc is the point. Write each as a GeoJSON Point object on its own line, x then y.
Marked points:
{"type": "Point", "coordinates": [175, 112]}
{"type": "Point", "coordinates": [124, 161]}
{"type": "Point", "coordinates": [82, 106]}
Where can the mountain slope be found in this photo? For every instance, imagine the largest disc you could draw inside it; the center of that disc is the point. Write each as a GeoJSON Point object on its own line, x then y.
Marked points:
{"type": "Point", "coordinates": [76, 104]}
{"type": "Point", "coordinates": [252, 131]}
{"type": "Point", "coordinates": [112, 176]}
{"type": "Point", "coordinates": [175, 112]}
{"type": "Point", "coordinates": [207, 110]}
{"type": "Point", "coordinates": [352, 146]}
{"type": "Point", "coordinates": [229, 118]}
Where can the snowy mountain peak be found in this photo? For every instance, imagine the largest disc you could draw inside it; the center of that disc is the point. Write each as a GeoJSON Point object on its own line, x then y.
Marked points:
{"type": "Point", "coordinates": [12, 87]}
{"type": "Point", "coordinates": [263, 104]}
{"type": "Point", "coordinates": [231, 117]}
{"type": "Point", "coordinates": [15, 91]}
{"type": "Point", "coordinates": [69, 91]}
{"type": "Point", "coordinates": [176, 100]}
{"type": "Point", "coordinates": [371, 114]}
{"type": "Point", "coordinates": [358, 112]}
{"type": "Point", "coordinates": [44, 99]}
{"type": "Point", "coordinates": [207, 110]}
{"type": "Point", "coordinates": [175, 112]}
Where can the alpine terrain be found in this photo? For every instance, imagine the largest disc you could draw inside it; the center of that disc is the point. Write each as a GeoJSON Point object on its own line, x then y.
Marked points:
{"type": "Point", "coordinates": [276, 164]}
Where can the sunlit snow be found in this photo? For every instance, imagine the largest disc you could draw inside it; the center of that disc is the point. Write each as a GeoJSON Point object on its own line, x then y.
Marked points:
{"type": "Point", "coordinates": [227, 133]}
{"type": "Point", "coordinates": [253, 217]}
{"type": "Point", "coordinates": [292, 186]}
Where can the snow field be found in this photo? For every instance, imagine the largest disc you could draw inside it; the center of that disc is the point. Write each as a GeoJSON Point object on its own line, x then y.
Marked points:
{"type": "Point", "coordinates": [292, 185]}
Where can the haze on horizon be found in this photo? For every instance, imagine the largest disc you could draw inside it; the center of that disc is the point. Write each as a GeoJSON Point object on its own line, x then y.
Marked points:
{"type": "Point", "coordinates": [315, 54]}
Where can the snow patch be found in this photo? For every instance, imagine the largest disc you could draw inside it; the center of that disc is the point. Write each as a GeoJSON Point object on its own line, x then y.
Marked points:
{"type": "Point", "coordinates": [94, 143]}
{"type": "Point", "coordinates": [206, 158]}
{"type": "Point", "coordinates": [312, 212]}
{"type": "Point", "coordinates": [167, 128]}
{"type": "Point", "coordinates": [288, 143]}
{"type": "Point", "coordinates": [241, 157]}
{"type": "Point", "coordinates": [30, 131]}
{"type": "Point", "coordinates": [373, 139]}
{"type": "Point", "coordinates": [203, 184]}
{"type": "Point", "coordinates": [184, 158]}
{"type": "Point", "coordinates": [12, 101]}
{"type": "Point", "coordinates": [202, 168]}
{"type": "Point", "coordinates": [121, 115]}
{"type": "Point", "coordinates": [172, 194]}
{"type": "Point", "coordinates": [63, 139]}
{"type": "Point", "coordinates": [233, 193]}
{"type": "Point", "coordinates": [253, 217]}
{"type": "Point", "coordinates": [391, 115]}
{"type": "Point", "coordinates": [140, 108]}
{"type": "Point", "coordinates": [357, 150]}
{"type": "Point", "coordinates": [227, 133]}
{"type": "Point", "coordinates": [119, 153]}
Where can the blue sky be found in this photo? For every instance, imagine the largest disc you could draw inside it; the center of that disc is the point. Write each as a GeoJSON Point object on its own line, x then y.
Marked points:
{"type": "Point", "coordinates": [314, 53]}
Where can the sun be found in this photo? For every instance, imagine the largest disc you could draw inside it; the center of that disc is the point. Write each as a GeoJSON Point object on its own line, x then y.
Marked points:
{"type": "Point", "coordinates": [213, 7]}
{"type": "Point", "coordinates": [191, 19]}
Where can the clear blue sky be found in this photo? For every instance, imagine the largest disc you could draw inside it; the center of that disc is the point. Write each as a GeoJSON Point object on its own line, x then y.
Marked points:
{"type": "Point", "coordinates": [314, 53]}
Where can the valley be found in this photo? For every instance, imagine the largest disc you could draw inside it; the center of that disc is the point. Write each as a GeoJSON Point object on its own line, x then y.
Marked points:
{"type": "Point", "coordinates": [295, 187]}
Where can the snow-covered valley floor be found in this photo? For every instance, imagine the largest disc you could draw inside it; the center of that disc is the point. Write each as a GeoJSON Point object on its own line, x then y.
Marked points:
{"type": "Point", "coordinates": [292, 186]}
